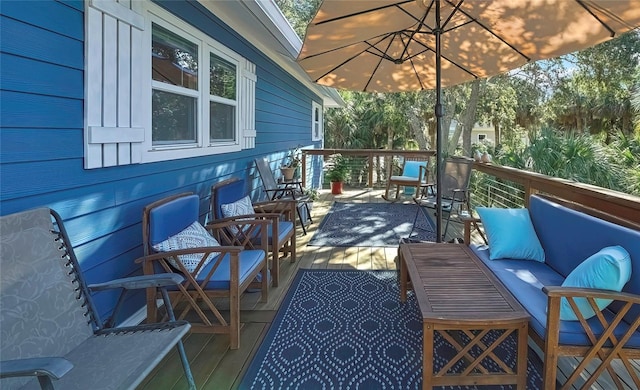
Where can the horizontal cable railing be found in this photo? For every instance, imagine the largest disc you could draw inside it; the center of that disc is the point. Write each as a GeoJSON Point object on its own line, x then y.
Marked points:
{"type": "Point", "coordinates": [490, 191]}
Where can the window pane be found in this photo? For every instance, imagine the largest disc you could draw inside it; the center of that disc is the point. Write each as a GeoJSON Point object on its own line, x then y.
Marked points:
{"type": "Point", "coordinates": [223, 122]}
{"type": "Point", "coordinates": [174, 59]}
{"type": "Point", "coordinates": [222, 78]}
{"type": "Point", "coordinates": [174, 118]}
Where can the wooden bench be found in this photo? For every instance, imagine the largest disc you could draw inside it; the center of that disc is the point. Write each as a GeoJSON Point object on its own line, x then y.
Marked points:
{"type": "Point", "coordinates": [457, 294]}
{"type": "Point", "coordinates": [50, 331]}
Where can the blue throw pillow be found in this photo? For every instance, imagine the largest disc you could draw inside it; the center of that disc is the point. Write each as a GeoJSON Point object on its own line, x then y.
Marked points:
{"type": "Point", "coordinates": [511, 234]}
{"type": "Point", "coordinates": [608, 269]}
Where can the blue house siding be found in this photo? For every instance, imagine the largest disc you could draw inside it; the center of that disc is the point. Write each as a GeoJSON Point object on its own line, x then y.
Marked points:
{"type": "Point", "coordinates": [41, 136]}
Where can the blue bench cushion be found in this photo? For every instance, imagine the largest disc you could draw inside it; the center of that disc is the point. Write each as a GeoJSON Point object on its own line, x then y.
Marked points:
{"type": "Point", "coordinates": [569, 236]}
{"type": "Point", "coordinates": [525, 279]}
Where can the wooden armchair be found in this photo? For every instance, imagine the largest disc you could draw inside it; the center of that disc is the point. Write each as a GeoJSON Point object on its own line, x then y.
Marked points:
{"type": "Point", "coordinates": [174, 243]}
{"type": "Point", "coordinates": [230, 202]}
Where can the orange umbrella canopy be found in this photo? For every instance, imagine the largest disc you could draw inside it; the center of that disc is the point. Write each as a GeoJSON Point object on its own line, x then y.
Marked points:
{"type": "Point", "coordinates": [389, 45]}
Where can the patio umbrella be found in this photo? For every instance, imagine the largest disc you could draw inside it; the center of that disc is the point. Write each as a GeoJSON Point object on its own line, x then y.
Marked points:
{"type": "Point", "coordinates": [408, 45]}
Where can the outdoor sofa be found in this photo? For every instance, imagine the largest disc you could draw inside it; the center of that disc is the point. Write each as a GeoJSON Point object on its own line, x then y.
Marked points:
{"type": "Point", "coordinates": [568, 238]}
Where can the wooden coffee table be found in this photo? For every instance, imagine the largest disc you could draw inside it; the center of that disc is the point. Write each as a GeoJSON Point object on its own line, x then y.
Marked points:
{"type": "Point", "coordinates": [461, 299]}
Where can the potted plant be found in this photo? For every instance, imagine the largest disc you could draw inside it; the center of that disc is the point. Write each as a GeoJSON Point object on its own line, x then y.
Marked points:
{"type": "Point", "coordinates": [337, 174]}
{"type": "Point", "coordinates": [291, 164]}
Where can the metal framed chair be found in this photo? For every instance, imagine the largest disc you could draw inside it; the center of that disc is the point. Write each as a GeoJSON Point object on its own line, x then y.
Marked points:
{"type": "Point", "coordinates": [51, 328]}
{"type": "Point", "coordinates": [455, 189]}
{"type": "Point", "coordinates": [414, 174]}
{"type": "Point", "coordinates": [210, 271]}
{"type": "Point", "coordinates": [286, 190]}
{"type": "Point", "coordinates": [280, 232]}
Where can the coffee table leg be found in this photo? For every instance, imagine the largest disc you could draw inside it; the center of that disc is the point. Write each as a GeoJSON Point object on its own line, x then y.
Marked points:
{"type": "Point", "coordinates": [403, 277]}
{"type": "Point", "coordinates": [523, 347]}
{"type": "Point", "coordinates": [427, 356]}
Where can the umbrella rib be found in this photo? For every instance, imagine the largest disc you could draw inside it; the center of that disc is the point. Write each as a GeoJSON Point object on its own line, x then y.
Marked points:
{"type": "Point", "coordinates": [491, 32]}
{"type": "Point", "coordinates": [382, 37]}
{"type": "Point", "coordinates": [583, 5]}
{"type": "Point", "coordinates": [365, 12]}
{"type": "Point", "coordinates": [377, 66]}
{"type": "Point", "coordinates": [427, 48]}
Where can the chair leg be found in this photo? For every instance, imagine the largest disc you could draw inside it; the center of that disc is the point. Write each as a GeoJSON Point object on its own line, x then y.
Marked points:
{"type": "Point", "coordinates": [180, 345]}
{"type": "Point", "coordinates": [275, 265]}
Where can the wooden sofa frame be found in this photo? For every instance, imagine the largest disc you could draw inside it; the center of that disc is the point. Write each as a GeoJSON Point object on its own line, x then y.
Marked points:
{"type": "Point", "coordinates": [49, 327]}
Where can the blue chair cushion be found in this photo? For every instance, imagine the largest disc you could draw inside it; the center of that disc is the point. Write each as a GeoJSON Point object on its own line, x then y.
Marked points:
{"type": "Point", "coordinates": [412, 168]}
{"type": "Point", "coordinates": [173, 217]}
{"type": "Point", "coordinates": [608, 269]}
{"type": "Point", "coordinates": [284, 228]}
{"type": "Point", "coordinates": [229, 193]}
{"type": "Point", "coordinates": [249, 261]}
{"type": "Point", "coordinates": [511, 234]}
{"type": "Point", "coordinates": [193, 236]}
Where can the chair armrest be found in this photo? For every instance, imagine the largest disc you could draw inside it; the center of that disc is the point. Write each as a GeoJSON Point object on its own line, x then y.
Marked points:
{"type": "Point", "coordinates": [137, 282]}
{"type": "Point", "coordinates": [557, 292]}
{"type": "Point", "coordinates": [50, 367]}
{"type": "Point", "coordinates": [203, 250]}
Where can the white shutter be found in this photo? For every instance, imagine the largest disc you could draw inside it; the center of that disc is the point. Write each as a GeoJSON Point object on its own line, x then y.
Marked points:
{"type": "Point", "coordinates": [247, 104]}
{"type": "Point", "coordinates": [114, 75]}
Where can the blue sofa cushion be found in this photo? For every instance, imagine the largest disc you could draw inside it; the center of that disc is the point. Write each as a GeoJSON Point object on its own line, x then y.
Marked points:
{"type": "Point", "coordinates": [511, 234]}
{"type": "Point", "coordinates": [193, 236]}
{"type": "Point", "coordinates": [608, 269]}
{"type": "Point", "coordinates": [573, 236]}
{"type": "Point", "coordinates": [525, 279]}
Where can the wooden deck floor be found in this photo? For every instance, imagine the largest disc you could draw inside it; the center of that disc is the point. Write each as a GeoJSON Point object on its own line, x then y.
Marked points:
{"type": "Point", "coordinates": [216, 367]}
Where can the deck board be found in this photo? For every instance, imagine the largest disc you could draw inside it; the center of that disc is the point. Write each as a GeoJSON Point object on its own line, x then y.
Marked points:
{"type": "Point", "coordinates": [216, 367]}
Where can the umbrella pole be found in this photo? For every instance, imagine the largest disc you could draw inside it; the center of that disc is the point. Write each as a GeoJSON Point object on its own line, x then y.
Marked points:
{"type": "Point", "coordinates": [439, 131]}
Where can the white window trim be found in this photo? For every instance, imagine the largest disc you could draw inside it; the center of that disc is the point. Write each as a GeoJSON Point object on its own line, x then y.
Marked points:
{"type": "Point", "coordinates": [318, 106]}
{"type": "Point", "coordinates": [205, 43]}
{"type": "Point", "coordinates": [118, 87]}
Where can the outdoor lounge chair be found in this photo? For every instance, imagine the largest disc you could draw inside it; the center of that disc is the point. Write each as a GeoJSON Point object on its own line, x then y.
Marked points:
{"type": "Point", "coordinates": [286, 190]}
{"type": "Point", "coordinates": [49, 326]}
{"type": "Point", "coordinates": [414, 174]}
{"type": "Point", "coordinates": [455, 190]}
{"type": "Point", "coordinates": [175, 242]}
{"type": "Point", "coordinates": [230, 202]}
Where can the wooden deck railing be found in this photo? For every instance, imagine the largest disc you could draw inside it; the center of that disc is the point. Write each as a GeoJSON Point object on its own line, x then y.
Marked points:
{"type": "Point", "coordinates": [612, 205]}
{"type": "Point", "coordinates": [618, 207]}
{"type": "Point", "coordinates": [370, 166]}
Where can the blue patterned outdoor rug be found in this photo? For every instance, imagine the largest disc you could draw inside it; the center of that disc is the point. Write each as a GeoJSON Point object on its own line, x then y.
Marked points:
{"type": "Point", "coordinates": [348, 330]}
{"type": "Point", "coordinates": [372, 224]}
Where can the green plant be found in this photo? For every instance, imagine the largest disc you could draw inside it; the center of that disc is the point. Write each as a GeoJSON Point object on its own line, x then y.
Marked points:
{"type": "Point", "coordinates": [338, 169]}
{"type": "Point", "coordinates": [293, 159]}
{"type": "Point", "coordinates": [312, 193]}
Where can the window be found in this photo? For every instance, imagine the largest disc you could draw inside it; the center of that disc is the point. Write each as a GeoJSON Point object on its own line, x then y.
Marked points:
{"type": "Point", "coordinates": [481, 137]}
{"type": "Point", "coordinates": [161, 89]}
{"type": "Point", "coordinates": [317, 127]}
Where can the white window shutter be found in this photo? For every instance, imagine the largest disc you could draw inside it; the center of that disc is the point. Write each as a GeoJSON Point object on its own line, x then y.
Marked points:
{"type": "Point", "coordinates": [247, 105]}
{"type": "Point", "coordinates": [114, 75]}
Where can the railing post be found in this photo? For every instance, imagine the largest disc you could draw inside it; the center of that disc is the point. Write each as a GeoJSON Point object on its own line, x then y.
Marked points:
{"type": "Point", "coordinates": [304, 170]}
{"type": "Point", "coordinates": [370, 158]}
